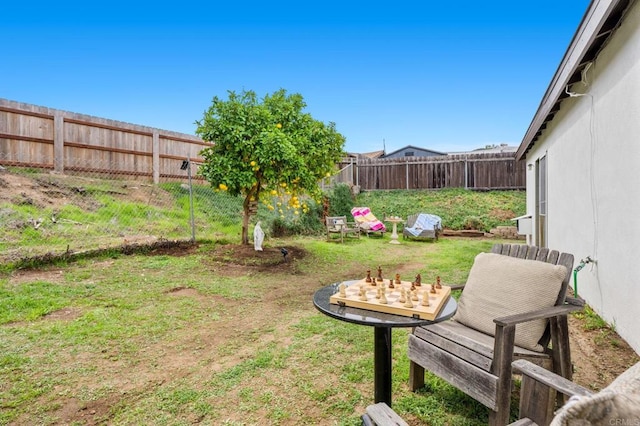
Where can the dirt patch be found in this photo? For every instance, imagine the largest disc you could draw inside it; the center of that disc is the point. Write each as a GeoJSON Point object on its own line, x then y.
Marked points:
{"type": "Point", "coordinates": [502, 214]}
{"type": "Point", "coordinates": [54, 191]}
{"type": "Point", "coordinates": [66, 314]}
{"type": "Point", "coordinates": [598, 356]}
{"type": "Point", "coordinates": [235, 260]}
{"type": "Point", "coordinates": [42, 192]}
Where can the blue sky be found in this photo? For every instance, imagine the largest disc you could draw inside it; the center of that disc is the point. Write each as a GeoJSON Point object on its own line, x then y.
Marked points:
{"type": "Point", "coordinates": [447, 76]}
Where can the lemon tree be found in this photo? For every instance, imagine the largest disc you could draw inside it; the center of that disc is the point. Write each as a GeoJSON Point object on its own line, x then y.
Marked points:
{"type": "Point", "coordinates": [266, 147]}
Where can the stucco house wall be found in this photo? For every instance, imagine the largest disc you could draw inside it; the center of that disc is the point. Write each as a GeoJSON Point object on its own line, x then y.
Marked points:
{"type": "Point", "coordinates": [592, 149]}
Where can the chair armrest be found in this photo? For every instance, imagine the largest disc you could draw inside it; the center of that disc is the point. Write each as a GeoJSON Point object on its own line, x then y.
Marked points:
{"type": "Point", "coordinates": [546, 377]}
{"type": "Point", "coordinates": [554, 311]}
{"type": "Point", "coordinates": [381, 414]}
{"type": "Point", "coordinates": [456, 286]}
{"type": "Point", "coordinates": [576, 301]}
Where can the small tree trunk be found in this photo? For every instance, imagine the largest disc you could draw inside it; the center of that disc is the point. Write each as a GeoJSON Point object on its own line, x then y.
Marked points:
{"type": "Point", "coordinates": [248, 208]}
{"type": "Point", "coordinates": [245, 223]}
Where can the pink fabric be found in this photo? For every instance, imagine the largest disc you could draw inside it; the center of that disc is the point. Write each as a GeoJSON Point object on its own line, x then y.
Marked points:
{"type": "Point", "coordinates": [366, 219]}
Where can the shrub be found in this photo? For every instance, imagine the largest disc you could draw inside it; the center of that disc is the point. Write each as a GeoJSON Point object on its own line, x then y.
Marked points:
{"type": "Point", "coordinates": [341, 200]}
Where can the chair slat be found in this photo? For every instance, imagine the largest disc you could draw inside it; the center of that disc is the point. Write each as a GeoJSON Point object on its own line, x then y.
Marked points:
{"type": "Point", "coordinates": [553, 257]}
{"type": "Point", "coordinates": [543, 252]}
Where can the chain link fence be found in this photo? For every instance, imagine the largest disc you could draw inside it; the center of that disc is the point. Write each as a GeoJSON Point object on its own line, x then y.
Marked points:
{"type": "Point", "coordinates": [43, 213]}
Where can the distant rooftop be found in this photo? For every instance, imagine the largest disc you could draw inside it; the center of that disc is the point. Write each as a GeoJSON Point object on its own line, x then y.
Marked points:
{"type": "Point", "coordinates": [489, 149]}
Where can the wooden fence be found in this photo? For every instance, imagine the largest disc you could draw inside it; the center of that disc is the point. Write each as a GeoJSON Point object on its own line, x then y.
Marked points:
{"type": "Point", "coordinates": [482, 171]}
{"type": "Point", "coordinates": [34, 136]}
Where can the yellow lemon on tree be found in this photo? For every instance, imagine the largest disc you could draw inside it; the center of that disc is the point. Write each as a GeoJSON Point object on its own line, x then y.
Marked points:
{"type": "Point", "coordinates": [253, 163]}
{"type": "Point", "coordinates": [223, 187]}
{"type": "Point", "coordinates": [274, 192]}
{"type": "Point", "coordinates": [279, 126]}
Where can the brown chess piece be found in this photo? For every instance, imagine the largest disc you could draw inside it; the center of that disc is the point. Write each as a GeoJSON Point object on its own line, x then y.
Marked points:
{"type": "Point", "coordinates": [391, 284]}
{"type": "Point", "coordinates": [397, 278]}
{"type": "Point", "coordinates": [438, 285]}
{"type": "Point", "coordinates": [379, 278]}
{"type": "Point", "coordinates": [418, 280]}
{"type": "Point", "coordinates": [433, 288]}
{"type": "Point", "coordinates": [368, 279]}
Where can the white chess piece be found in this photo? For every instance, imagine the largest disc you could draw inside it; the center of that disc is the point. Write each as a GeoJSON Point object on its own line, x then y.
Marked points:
{"type": "Point", "coordinates": [425, 298]}
{"type": "Point", "coordinates": [342, 290]}
{"type": "Point", "coordinates": [408, 303]}
{"type": "Point", "coordinates": [258, 237]}
{"type": "Point", "coordinates": [402, 296]}
{"type": "Point", "coordinates": [363, 294]}
{"type": "Point", "coordinates": [414, 295]}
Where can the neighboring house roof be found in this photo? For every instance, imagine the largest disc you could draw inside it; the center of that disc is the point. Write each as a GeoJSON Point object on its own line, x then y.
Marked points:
{"type": "Point", "coordinates": [374, 154]}
{"type": "Point", "coordinates": [412, 147]}
{"type": "Point", "coordinates": [494, 149]}
{"type": "Point", "coordinates": [598, 23]}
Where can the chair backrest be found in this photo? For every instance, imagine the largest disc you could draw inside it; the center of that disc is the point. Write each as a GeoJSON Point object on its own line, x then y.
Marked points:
{"type": "Point", "coordinates": [335, 222]}
{"type": "Point", "coordinates": [427, 220]}
{"type": "Point", "coordinates": [411, 220]}
{"type": "Point", "coordinates": [364, 216]}
{"type": "Point", "coordinates": [542, 254]}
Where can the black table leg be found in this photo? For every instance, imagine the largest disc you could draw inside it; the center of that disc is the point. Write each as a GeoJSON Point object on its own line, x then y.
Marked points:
{"type": "Point", "coordinates": [382, 364]}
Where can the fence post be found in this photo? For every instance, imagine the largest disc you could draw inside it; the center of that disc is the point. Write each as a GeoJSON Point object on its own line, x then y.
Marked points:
{"type": "Point", "coordinates": [155, 158]}
{"type": "Point", "coordinates": [466, 173]}
{"type": "Point", "coordinates": [191, 215]}
{"type": "Point", "coordinates": [58, 142]}
{"type": "Point", "coordinates": [407, 172]}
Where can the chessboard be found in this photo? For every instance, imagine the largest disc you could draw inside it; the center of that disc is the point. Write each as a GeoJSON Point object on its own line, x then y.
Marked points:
{"type": "Point", "coordinates": [365, 295]}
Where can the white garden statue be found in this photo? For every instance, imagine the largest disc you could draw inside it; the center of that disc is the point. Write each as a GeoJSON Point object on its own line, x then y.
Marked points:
{"type": "Point", "coordinates": [258, 237]}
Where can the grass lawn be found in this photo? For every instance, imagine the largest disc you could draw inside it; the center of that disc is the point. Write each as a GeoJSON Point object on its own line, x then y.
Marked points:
{"type": "Point", "coordinates": [212, 334]}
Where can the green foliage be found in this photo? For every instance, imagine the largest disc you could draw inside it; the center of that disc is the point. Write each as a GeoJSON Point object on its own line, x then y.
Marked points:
{"type": "Point", "coordinates": [266, 146]}
{"type": "Point", "coordinates": [458, 208]}
{"type": "Point", "coordinates": [341, 200]}
{"type": "Point", "coordinates": [591, 320]}
{"type": "Point", "coordinates": [278, 219]}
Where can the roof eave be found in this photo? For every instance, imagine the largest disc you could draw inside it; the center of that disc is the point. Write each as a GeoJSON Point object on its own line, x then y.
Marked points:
{"type": "Point", "coordinates": [573, 61]}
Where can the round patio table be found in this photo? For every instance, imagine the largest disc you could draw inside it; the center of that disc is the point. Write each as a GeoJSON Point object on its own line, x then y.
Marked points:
{"type": "Point", "coordinates": [382, 324]}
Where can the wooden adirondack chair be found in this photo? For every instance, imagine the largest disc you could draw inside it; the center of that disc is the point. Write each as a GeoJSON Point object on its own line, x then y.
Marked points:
{"type": "Point", "coordinates": [479, 363]}
{"type": "Point", "coordinates": [339, 225]}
